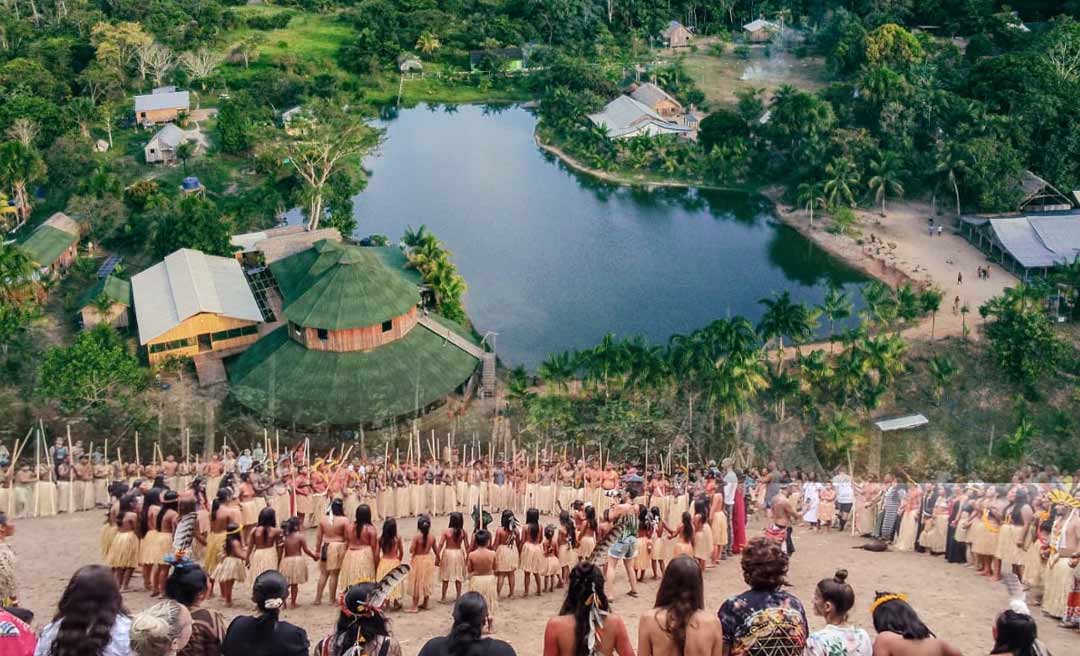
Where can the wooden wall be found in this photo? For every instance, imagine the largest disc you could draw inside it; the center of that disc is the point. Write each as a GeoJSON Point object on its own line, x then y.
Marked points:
{"type": "Point", "coordinates": [201, 324]}
{"type": "Point", "coordinates": [365, 338]}
{"type": "Point", "coordinates": [158, 116]}
{"type": "Point", "coordinates": [117, 316]}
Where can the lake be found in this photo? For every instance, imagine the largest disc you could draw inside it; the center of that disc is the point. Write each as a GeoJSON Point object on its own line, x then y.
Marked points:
{"type": "Point", "coordinates": [555, 259]}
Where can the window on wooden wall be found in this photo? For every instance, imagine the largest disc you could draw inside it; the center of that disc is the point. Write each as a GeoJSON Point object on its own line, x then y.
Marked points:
{"type": "Point", "coordinates": [322, 333]}
{"type": "Point", "coordinates": [387, 326]}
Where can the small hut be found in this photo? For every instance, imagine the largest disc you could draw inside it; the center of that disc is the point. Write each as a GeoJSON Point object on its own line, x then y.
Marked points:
{"type": "Point", "coordinates": [760, 30]}
{"type": "Point", "coordinates": [410, 64]}
{"type": "Point", "coordinates": [676, 35]}
{"type": "Point", "coordinates": [53, 246]}
{"type": "Point", "coordinates": [118, 292]}
{"type": "Point", "coordinates": [1038, 195]}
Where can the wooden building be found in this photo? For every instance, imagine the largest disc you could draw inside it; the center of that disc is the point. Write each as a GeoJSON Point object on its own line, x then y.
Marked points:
{"type": "Point", "coordinates": [192, 303]}
{"type": "Point", "coordinates": [164, 105]}
{"type": "Point", "coordinates": [53, 246]}
{"type": "Point", "coordinates": [760, 30]}
{"type": "Point", "coordinates": [1038, 195]}
{"type": "Point", "coordinates": [357, 348]}
{"type": "Point", "coordinates": [117, 292]}
{"type": "Point", "coordinates": [676, 35]}
{"type": "Point", "coordinates": [268, 246]}
{"type": "Point", "coordinates": [658, 100]}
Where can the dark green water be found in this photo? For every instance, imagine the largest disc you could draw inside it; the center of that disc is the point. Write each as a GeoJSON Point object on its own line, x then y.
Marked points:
{"type": "Point", "coordinates": [555, 259]}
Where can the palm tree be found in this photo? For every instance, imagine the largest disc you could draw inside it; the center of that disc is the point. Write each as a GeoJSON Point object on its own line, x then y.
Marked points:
{"type": "Point", "coordinates": [951, 162]}
{"type": "Point", "coordinates": [810, 194]}
{"type": "Point", "coordinates": [908, 306]}
{"type": "Point", "coordinates": [102, 305]}
{"type": "Point", "coordinates": [942, 370]}
{"type": "Point", "coordinates": [886, 178]}
{"type": "Point", "coordinates": [605, 360]}
{"type": "Point", "coordinates": [20, 166]}
{"type": "Point", "coordinates": [782, 317]}
{"type": "Point", "coordinates": [930, 302]}
{"type": "Point", "coordinates": [881, 306]}
{"type": "Point", "coordinates": [836, 307]}
{"type": "Point", "coordinates": [1068, 276]}
{"type": "Point", "coordinates": [964, 310]}
{"type": "Point", "coordinates": [428, 42]}
{"type": "Point", "coordinates": [413, 238]}
{"type": "Point", "coordinates": [842, 178]}
{"type": "Point", "coordinates": [16, 272]}
{"type": "Point", "coordinates": [517, 388]}
{"type": "Point", "coordinates": [558, 369]}
{"type": "Point", "coordinates": [782, 386]}
{"type": "Point", "coordinates": [836, 436]}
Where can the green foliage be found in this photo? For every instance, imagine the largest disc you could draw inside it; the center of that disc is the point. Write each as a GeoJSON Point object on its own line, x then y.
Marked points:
{"type": "Point", "coordinates": [1022, 338]}
{"type": "Point", "coordinates": [95, 376]}
{"type": "Point", "coordinates": [191, 222]}
{"type": "Point", "coordinates": [233, 131]}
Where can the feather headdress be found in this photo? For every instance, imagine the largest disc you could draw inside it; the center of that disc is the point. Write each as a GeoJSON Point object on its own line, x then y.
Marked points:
{"type": "Point", "coordinates": [624, 527]}
{"type": "Point", "coordinates": [1063, 498]}
{"type": "Point", "coordinates": [372, 604]}
{"type": "Point", "coordinates": [183, 537]}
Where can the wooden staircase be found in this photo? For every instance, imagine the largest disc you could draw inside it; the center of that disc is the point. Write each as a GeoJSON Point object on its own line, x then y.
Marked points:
{"type": "Point", "coordinates": [452, 337]}
{"type": "Point", "coordinates": [487, 376]}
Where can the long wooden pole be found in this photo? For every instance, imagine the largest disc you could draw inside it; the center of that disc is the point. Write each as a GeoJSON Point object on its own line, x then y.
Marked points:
{"type": "Point", "coordinates": [138, 462]}
{"type": "Point", "coordinates": [71, 472]}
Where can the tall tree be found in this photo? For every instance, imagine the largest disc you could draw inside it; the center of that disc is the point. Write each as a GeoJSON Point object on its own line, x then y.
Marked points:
{"type": "Point", "coordinates": [841, 177]}
{"type": "Point", "coordinates": [20, 166]}
{"type": "Point", "coordinates": [886, 178]}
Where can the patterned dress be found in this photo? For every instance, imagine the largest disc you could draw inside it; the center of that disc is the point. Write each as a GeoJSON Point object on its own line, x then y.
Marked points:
{"type": "Point", "coordinates": [764, 623]}
{"type": "Point", "coordinates": [839, 641]}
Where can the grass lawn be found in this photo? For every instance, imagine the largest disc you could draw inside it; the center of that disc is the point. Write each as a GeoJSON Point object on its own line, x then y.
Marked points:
{"type": "Point", "coordinates": [308, 35]}
{"type": "Point", "coordinates": [719, 77]}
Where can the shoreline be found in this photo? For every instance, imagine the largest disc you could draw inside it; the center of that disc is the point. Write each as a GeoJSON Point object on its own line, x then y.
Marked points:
{"type": "Point", "coordinates": [786, 214]}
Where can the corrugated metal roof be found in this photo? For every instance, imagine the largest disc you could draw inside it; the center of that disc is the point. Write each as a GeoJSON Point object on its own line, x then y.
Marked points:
{"type": "Point", "coordinates": [170, 136]}
{"type": "Point", "coordinates": [1039, 241]}
{"type": "Point", "coordinates": [761, 24]}
{"type": "Point", "coordinates": [901, 423]}
{"type": "Point", "coordinates": [186, 283]}
{"type": "Point", "coordinates": [625, 115]}
{"type": "Point", "coordinates": [649, 94]}
{"type": "Point", "coordinates": [167, 100]}
{"type": "Point", "coordinates": [46, 244]}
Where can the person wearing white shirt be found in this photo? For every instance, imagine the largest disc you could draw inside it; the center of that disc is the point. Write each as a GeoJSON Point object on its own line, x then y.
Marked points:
{"type": "Point", "coordinates": [91, 616]}
{"type": "Point", "coordinates": [845, 495]}
{"type": "Point", "coordinates": [731, 483]}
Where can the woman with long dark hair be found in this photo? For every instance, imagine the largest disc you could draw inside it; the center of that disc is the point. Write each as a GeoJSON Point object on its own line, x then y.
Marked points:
{"type": "Point", "coordinates": [90, 619]}
{"type": "Point", "coordinates": [452, 547]}
{"type": "Point", "coordinates": [896, 622]}
{"type": "Point", "coordinates": [682, 537]}
{"type": "Point", "coordinates": [361, 558]}
{"type": "Point", "coordinates": [1017, 634]}
{"type": "Point", "coordinates": [507, 537]}
{"type": "Point", "coordinates": [703, 537]}
{"type": "Point", "coordinates": [590, 529]}
{"type": "Point", "coordinates": [189, 585]}
{"type": "Point", "coordinates": [678, 623]}
{"type": "Point", "coordinates": [567, 634]}
{"type": "Point", "coordinates": [465, 639]}
{"type": "Point", "coordinates": [567, 541]}
{"type": "Point", "coordinates": [533, 562]}
{"type": "Point", "coordinates": [265, 544]}
{"type": "Point", "coordinates": [423, 563]}
{"type": "Point", "coordinates": [391, 551]}
{"type": "Point", "coordinates": [233, 567]}
{"type": "Point", "coordinates": [150, 549]}
{"type": "Point", "coordinates": [360, 627]}
{"type": "Point", "coordinates": [123, 555]}
{"type": "Point", "coordinates": [265, 634]}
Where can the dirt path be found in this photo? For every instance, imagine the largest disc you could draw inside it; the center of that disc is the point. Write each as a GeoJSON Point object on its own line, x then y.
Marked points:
{"type": "Point", "coordinates": [951, 599]}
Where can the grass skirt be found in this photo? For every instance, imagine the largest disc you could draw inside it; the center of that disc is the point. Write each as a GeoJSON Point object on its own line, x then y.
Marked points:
{"type": "Point", "coordinates": [567, 556]}
{"type": "Point", "coordinates": [452, 565]}
{"type": "Point", "coordinates": [983, 540]}
{"type": "Point", "coordinates": [703, 544]}
{"type": "Point", "coordinates": [421, 576]}
{"type": "Point", "coordinates": [1056, 588]}
{"type": "Point", "coordinates": [1007, 551]}
{"type": "Point", "coordinates": [402, 502]}
{"type": "Point", "coordinates": [1033, 566]}
{"type": "Point", "coordinates": [358, 566]}
{"type": "Point", "coordinates": [506, 559]}
{"type": "Point", "coordinates": [827, 512]}
{"type": "Point", "coordinates": [335, 554]}
{"type": "Point", "coordinates": [385, 565]}
{"type": "Point", "coordinates": [934, 536]}
{"type": "Point", "coordinates": [124, 552]}
{"type": "Point", "coordinates": [485, 586]}
{"type": "Point", "coordinates": [215, 547]}
{"type": "Point", "coordinates": [644, 558]}
{"type": "Point", "coordinates": [719, 528]}
{"type": "Point", "coordinates": [108, 532]}
{"type": "Point", "coordinates": [263, 560]}
{"type": "Point", "coordinates": [295, 569]}
{"type": "Point", "coordinates": [586, 545]}
{"type": "Point", "coordinates": [229, 569]}
{"type": "Point", "coordinates": [155, 546]}
{"type": "Point", "coordinates": [304, 504]}
{"type": "Point", "coordinates": [532, 559]}
{"type": "Point", "coordinates": [908, 528]}
{"type": "Point", "coordinates": [249, 510]}
{"type": "Point", "coordinates": [553, 567]}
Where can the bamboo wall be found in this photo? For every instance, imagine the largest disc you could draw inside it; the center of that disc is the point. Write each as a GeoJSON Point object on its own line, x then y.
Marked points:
{"type": "Point", "coordinates": [364, 338]}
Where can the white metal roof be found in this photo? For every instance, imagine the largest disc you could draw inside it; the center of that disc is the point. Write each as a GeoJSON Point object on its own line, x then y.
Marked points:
{"type": "Point", "coordinates": [164, 100]}
{"type": "Point", "coordinates": [170, 136]}
{"type": "Point", "coordinates": [187, 283]}
{"type": "Point", "coordinates": [761, 24]}
{"type": "Point", "coordinates": [625, 115]}
{"type": "Point", "coordinates": [901, 423]}
{"type": "Point", "coordinates": [1039, 241]}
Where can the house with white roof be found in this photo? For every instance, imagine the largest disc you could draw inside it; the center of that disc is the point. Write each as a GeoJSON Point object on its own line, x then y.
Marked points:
{"type": "Point", "coordinates": [760, 30]}
{"type": "Point", "coordinates": [626, 117]}
{"type": "Point", "coordinates": [163, 105]}
{"type": "Point", "coordinates": [192, 303]}
{"type": "Point", "coordinates": [163, 145]}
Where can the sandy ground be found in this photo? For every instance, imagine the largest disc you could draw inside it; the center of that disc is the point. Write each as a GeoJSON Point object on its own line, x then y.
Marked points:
{"type": "Point", "coordinates": [720, 77]}
{"type": "Point", "coordinates": [951, 599]}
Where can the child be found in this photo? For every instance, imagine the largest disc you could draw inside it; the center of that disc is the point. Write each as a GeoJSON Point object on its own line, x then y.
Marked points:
{"type": "Point", "coordinates": [551, 556]}
{"type": "Point", "coordinates": [452, 548]}
{"type": "Point", "coordinates": [507, 538]}
{"type": "Point", "coordinates": [827, 507]}
{"type": "Point", "coordinates": [481, 566]}
{"type": "Point", "coordinates": [833, 600]}
{"type": "Point", "coordinates": [533, 562]}
{"type": "Point", "coordinates": [231, 569]}
{"type": "Point", "coordinates": [293, 564]}
{"type": "Point", "coordinates": [424, 561]}
{"type": "Point", "coordinates": [684, 538]}
{"type": "Point", "coordinates": [566, 538]}
{"type": "Point", "coordinates": [645, 545]}
{"type": "Point", "coordinates": [660, 543]}
{"type": "Point", "coordinates": [391, 551]}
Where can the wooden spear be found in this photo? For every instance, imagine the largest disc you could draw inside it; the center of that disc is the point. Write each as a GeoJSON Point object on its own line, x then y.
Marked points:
{"type": "Point", "coordinates": [71, 472]}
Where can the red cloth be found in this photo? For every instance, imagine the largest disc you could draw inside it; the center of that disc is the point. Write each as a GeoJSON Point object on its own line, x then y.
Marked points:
{"type": "Point", "coordinates": [738, 522]}
{"type": "Point", "coordinates": [16, 638]}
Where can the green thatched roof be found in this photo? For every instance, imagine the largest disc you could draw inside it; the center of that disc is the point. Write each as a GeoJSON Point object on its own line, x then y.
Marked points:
{"type": "Point", "coordinates": [279, 379]}
{"type": "Point", "coordinates": [117, 289]}
{"type": "Point", "coordinates": [46, 244]}
{"type": "Point", "coordinates": [337, 286]}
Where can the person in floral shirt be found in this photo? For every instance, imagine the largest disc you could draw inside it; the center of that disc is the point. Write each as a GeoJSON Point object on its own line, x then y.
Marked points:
{"type": "Point", "coordinates": [833, 600]}
{"type": "Point", "coordinates": [764, 619]}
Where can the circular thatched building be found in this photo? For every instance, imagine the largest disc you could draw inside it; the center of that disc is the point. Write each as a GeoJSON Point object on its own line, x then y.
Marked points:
{"type": "Point", "coordinates": [355, 347]}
